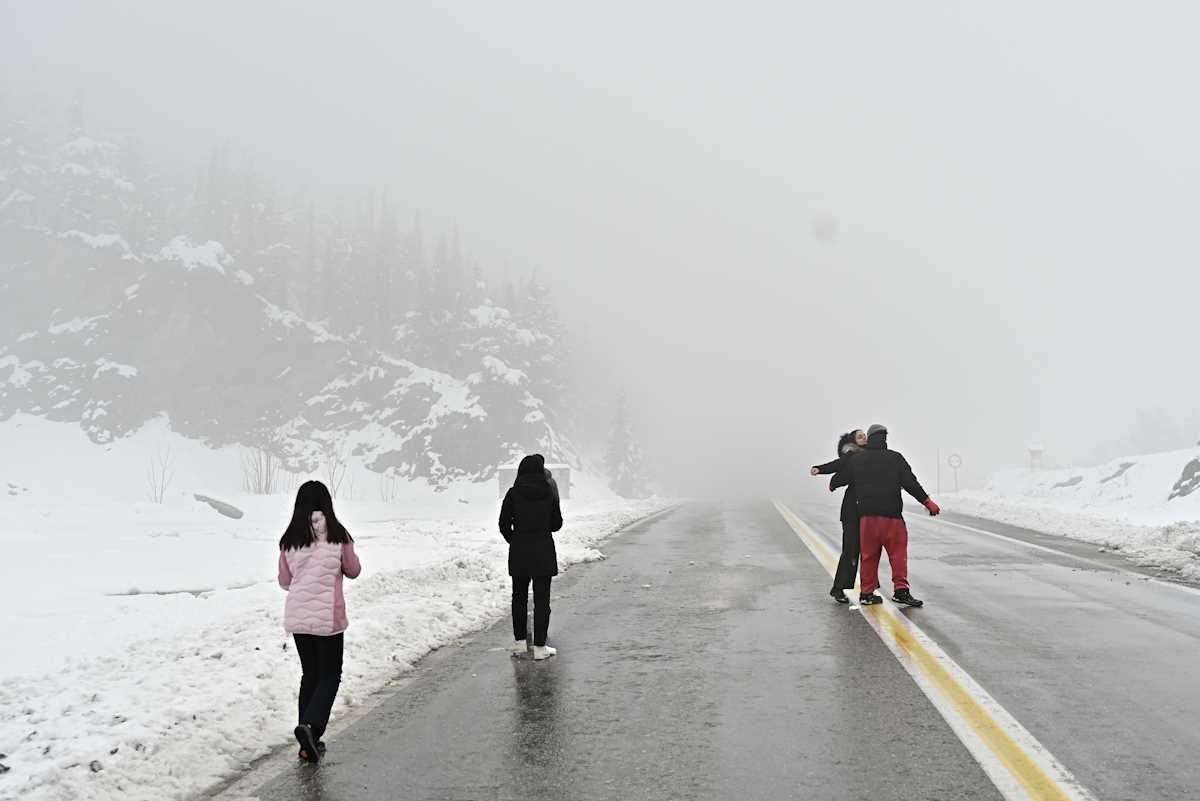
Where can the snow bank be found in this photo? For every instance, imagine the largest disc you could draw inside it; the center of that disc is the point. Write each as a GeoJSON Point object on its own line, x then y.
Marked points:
{"type": "Point", "coordinates": [140, 636]}
{"type": "Point", "coordinates": [209, 256]}
{"type": "Point", "coordinates": [97, 241]}
{"type": "Point", "coordinates": [86, 147]}
{"type": "Point", "coordinates": [502, 371]}
{"type": "Point", "coordinates": [1147, 507]}
{"type": "Point", "coordinates": [16, 197]}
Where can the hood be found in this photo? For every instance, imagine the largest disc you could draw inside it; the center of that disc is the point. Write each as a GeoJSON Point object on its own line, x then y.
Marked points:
{"type": "Point", "coordinates": [533, 464]}
{"type": "Point", "coordinates": [877, 441]}
{"type": "Point", "coordinates": [533, 478]}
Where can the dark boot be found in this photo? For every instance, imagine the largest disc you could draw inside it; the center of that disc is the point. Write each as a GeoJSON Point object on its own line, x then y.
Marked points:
{"type": "Point", "coordinates": [869, 598]}
{"type": "Point", "coordinates": [903, 596]}
{"type": "Point", "coordinates": [838, 596]}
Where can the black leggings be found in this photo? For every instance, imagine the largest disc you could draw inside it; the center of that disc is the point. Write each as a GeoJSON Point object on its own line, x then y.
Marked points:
{"type": "Point", "coordinates": [847, 567]}
{"type": "Point", "coordinates": [541, 608]}
{"type": "Point", "coordinates": [321, 661]}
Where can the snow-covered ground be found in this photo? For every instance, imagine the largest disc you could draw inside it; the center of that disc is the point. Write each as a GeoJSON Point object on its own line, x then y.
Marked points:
{"type": "Point", "coordinates": [144, 655]}
{"type": "Point", "coordinates": [1147, 507]}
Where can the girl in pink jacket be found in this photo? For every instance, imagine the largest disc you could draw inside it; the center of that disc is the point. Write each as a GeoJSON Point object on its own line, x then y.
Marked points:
{"type": "Point", "coordinates": [315, 553]}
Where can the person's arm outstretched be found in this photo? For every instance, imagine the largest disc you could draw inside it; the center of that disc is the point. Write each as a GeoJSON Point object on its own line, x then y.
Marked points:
{"type": "Point", "coordinates": [909, 483]}
{"type": "Point", "coordinates": [828, 467]}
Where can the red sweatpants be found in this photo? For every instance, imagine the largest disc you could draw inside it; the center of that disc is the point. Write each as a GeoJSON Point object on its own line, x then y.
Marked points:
{"type": "Point", "coordinates": [883, 533]}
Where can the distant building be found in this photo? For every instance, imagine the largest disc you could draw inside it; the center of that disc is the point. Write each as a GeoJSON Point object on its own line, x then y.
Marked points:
{"type": "Point", "coordinates": [1036, 456]}
{"type": "Point", "coordinates": [561, 473]}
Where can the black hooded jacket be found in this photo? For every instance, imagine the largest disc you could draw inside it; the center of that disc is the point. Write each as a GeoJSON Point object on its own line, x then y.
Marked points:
{"type": "Point", "coordinates": [877, 475]}
{"type": "Point", "coordinates": [849, 497]}
{"type": "Point", "coordinates": [528, 517]}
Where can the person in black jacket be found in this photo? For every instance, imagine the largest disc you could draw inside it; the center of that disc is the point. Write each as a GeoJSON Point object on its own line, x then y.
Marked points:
{"type": "Point", "coordinates": [848, 444]}
{"type": "Point", "coordinates": [877, 475]}
{"type": "Point", "coordinates": [528, 517]}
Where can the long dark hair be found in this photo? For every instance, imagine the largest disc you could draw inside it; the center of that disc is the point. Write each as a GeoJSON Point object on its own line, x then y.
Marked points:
{"type": "Point", "coordinates": [313, 496]}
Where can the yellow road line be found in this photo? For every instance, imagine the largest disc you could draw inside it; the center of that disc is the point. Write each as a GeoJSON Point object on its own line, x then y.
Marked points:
{"type": "Point", "coordinates": [1020, 764]}
{"type": "Point", "coordinates": [825, 554]}
{"type": "Point", "coordinates": [1024, 769]}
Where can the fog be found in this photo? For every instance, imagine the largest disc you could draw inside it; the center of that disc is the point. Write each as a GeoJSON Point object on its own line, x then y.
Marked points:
{"type": "Point", "coordinates": [767, 224]}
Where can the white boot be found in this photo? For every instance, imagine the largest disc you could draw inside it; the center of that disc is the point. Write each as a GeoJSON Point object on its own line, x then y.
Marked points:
{"type": "Point", "coordinates": [541, 652]}
{"type": "Point", "coordinates": [520, 648]}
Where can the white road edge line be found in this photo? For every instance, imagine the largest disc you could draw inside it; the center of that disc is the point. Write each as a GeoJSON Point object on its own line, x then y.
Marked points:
{"type": "Point", "coordinates": [1004, 780]}
{"type": "Point", "coordinates": [1113, 568]}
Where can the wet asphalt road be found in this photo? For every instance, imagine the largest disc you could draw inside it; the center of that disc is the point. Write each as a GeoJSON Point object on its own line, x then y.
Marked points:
{"type": "Point", "coordinates": [1100, 665]}
{"type": "Point", "coordinates": [701, 660]}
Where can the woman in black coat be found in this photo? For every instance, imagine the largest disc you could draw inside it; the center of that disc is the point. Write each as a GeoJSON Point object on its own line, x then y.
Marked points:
{"type": "Point", "coordinates": [529, 516]}
{"type": "Point", "coordinates": [843, 578]}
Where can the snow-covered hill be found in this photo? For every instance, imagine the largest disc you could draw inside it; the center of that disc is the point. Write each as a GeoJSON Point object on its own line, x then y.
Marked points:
{"type": "Point", "coordinates": [244, 320]}
{"type": "Point", "coordinates": [1147, 506]}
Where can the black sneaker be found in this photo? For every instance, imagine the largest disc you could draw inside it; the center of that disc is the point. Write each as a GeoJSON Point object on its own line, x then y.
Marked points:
{"type": "Point", "coordinates": [320, 749]}
{"type": "Point", "coordinates": [838, 596]}
{"type": "Point", "coordinates": [869, 598]}
{"type": "Point", "coordinates": [903, 596]}
{"type": "Point", "coordinates": [308, 744]}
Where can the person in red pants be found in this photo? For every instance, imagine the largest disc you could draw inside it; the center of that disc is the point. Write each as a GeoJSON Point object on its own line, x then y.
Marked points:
{"type": "Point", "coordinates": [878, 475]}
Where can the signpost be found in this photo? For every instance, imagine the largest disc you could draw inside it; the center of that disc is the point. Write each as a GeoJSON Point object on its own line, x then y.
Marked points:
{"type": "Point", "coordinates": [955, 462]}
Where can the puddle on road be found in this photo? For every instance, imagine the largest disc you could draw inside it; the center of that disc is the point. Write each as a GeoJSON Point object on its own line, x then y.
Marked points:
{"type": "Point", "coordinates": [976, 560]}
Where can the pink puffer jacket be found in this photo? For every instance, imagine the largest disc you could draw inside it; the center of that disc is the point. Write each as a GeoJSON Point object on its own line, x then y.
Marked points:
{"type": "Point", "coordinates": [312, 575]}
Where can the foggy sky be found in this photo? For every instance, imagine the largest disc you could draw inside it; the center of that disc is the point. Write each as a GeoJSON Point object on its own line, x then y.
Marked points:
{"type": "Point", "coordinates": [1014, 188]}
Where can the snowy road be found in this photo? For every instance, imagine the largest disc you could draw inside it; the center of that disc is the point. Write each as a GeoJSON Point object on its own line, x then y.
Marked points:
{"type": "Point", "coordinates": [702, 660]}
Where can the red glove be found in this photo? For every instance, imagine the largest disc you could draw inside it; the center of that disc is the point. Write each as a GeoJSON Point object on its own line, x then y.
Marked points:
{"type": "Point", "coordinates": [932, 507]}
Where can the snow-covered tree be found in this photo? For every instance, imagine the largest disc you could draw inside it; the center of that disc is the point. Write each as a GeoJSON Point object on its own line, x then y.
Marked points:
{"type": "Point", "coordinates": [623, 458]}
{"type": "Point", "coordinates": [545, 346]}
{"type": "Point", "coordinates": [241, 308]}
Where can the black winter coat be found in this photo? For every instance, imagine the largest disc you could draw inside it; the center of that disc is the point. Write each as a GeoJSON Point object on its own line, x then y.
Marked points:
{"type": "Point", "coordinates": [850, 497]}
{"type": "Point", "coordinates": [528, 517]}
{"type": "Point", "coordinates": [877, 475]}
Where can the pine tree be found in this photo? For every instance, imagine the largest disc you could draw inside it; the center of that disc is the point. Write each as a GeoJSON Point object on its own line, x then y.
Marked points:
{"type": "Point", "coordinates": [75, 123]}
{"type": "Point", "coordinates": [215, 224]}
{"type": "Point", "coordinates": [311, 284]}
{"type": "Point", "coordinates": [414, 269]}
{"type": "Point", "coordinates": [546, 352]}
{"type": "Point", "coordinates": [477, 290]}
{"type": "Point", "coordinates": [623, 459]}
{"type": "Point", "coordinates": [386, 253]}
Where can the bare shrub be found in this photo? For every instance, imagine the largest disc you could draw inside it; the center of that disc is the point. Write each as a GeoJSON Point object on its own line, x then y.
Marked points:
{"type": "Point", "coordinates": [160, 472]}
{"type": "Point", "coordinates": [335, 468]}
{"type": "Point", "coordinates": [389, 487]}
{"type": "Point", "coordinates": [261, 471]}
{"type": "Point", "coordinates": [289, 482]}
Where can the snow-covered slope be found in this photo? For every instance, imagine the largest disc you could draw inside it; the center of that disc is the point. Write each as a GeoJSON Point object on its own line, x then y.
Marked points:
{"type": "Point", "coordinates": [140, 635]}
{"type": "Point", "coordinates": [242, 321]}
{"type": "Point", "coordinates": [1147, 506]}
